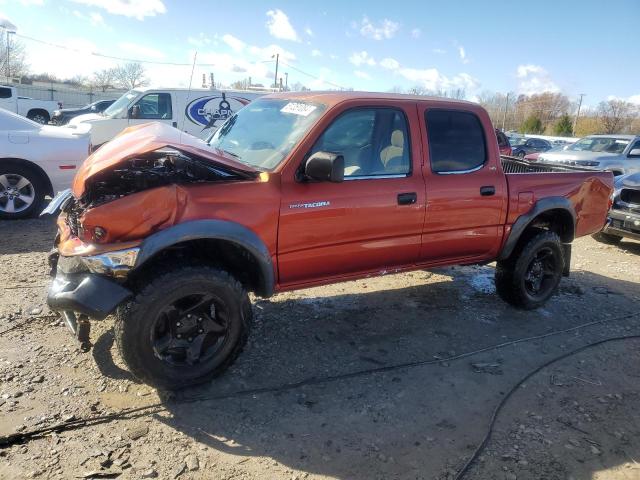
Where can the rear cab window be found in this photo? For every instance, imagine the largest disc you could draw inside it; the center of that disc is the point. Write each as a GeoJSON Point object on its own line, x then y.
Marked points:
{"type": "Point", "coordinates": [456, 141]}
{"type": "Point", "coordinates": [373, 141]}
{"type": "Point", "coordinates": [5, 92]}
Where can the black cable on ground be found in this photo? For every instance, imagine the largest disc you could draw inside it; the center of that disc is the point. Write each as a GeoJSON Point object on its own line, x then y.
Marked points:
{"type": "Point", "coordinates": [465, 469]}
{"type": "Point", "coordinates": [82, 422]}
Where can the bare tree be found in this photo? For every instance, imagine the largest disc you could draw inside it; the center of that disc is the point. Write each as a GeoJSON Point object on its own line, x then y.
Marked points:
{"type": "Point", "coordinates": [16, 66]}
{"type": "Point", "coordinates": [131, 75]}
{"type": "Point", "coordinates": [104, 79]}
{"type": "Point", "coordinates": [614, 115]}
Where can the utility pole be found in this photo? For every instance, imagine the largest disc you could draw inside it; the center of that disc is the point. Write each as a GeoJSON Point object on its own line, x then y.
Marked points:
{"type": "Point", "coordinates": [504, 115]}
{"type": "Point", "coordinates": [8, 58]}
{"type": "Point", "coordinates": [275, 78]}
{"type": "Point", "coordinates": [286, 81]}
{"type": "Point", "coordinates": [575, 121]}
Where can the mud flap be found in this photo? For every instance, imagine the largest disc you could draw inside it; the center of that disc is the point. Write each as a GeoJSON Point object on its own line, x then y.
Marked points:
{"type": "Point", "coordinates": [566, 251]}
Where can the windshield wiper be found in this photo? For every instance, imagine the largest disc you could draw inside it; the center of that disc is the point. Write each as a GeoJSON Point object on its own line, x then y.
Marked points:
{"type": "Point", "coordinates": [235, 155]}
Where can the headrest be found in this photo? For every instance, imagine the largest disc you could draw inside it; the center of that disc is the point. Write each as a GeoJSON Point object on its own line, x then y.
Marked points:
{"type": "Point", "coordinates": [397, 138]}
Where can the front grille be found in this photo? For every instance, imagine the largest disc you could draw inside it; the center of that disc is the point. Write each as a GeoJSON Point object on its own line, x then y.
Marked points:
{"type": "Point", "coordinates": [628, 195]}
{"type": "Point", "coordinates": [73, 212]}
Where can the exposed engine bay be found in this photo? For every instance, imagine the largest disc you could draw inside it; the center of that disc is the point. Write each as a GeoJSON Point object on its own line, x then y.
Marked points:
{"type": "Point", "coordinates": [151, 170]}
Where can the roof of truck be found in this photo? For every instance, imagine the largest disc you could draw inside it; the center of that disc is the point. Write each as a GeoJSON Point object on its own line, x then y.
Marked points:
{"type": "Point", "coordinates": [334, 97]}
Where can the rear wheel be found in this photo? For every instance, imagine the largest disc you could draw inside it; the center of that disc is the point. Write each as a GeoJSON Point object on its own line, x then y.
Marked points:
{"type": "Point", "coordinates": [39, 116]}
{"type": "Point", "coordinates": [607, 238]}
{"type": "Point", "coordinates": [22, 191]}
{"type": "Point", "coordinates": [184, 328]}
{"type": "Point", "coordinates": [531, 275]}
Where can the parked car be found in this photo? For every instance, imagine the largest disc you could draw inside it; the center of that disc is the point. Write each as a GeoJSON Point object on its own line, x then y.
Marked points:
{"type": "Point", "coordinates": [624, 217]}
{"type": "Point", "coordinates": [503, 143]}
{"type": "Point", "coordinates": [295, 190]}
{"type": "Point", "coordinates": [39, 111]}
{"type": "Point", "coordinates": [198, 112]}
{"type": "Point", "coordinates": [525, 146]}
{"type": "Point", "coordinates": [619, 154]}
{"type": "Point", "coordinates": [63, 115]}
{"type": "Point", "coordinates": [35, 161]}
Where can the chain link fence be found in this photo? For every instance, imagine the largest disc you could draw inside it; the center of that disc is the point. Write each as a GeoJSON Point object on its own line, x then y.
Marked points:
{"type": "Point", "coordinates": [69, 96]}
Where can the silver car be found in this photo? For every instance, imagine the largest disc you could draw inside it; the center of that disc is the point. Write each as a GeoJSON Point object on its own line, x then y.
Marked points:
{"type": "Point", "coordinates": [619, 154]}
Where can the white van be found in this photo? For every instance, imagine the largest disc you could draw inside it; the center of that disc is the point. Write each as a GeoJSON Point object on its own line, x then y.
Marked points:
{"type": "Point", "coordinates": [197, 111]}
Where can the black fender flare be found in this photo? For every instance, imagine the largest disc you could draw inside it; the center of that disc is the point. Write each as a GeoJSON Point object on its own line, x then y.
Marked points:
{"type": "Point", "coordinates": [214, 230]}
{"type": "Point", "coordinates": [524, 220]}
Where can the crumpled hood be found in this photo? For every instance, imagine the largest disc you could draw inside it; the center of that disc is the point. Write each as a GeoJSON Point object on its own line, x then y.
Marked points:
{"type": "Point", "coordinates": [141, 139]}
{"type": "Point", "coordinates": [566, 156]}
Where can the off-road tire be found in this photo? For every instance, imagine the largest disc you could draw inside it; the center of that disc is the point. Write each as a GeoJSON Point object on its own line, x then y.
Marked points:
{"type": "Point", "coordinates": [38, 182]}
{"type": "Point", "coordinates": [135, 320]}
{"type": "Point", "coordinates": [607, 238]}
{"type": "Point", "coordinates": [510, 273]}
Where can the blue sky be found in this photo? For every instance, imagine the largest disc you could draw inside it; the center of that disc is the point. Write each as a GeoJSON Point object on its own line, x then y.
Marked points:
{"type": "Point", "coordinates": [572, 47]}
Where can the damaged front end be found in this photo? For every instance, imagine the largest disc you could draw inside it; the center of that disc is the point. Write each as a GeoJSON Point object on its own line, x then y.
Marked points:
{"type": "Point", "coordinates": [118, 199]}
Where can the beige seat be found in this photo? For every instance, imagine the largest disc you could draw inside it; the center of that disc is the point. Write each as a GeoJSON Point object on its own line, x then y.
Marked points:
{"type": "Point", "coordinates": [395, 150]}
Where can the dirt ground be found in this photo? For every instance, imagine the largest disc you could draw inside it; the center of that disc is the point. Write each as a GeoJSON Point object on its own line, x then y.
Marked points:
{"type": "Point", "coordinates": [576, 419]}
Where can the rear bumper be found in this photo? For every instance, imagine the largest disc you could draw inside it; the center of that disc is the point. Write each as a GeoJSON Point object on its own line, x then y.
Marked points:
{"type": "Point", "coordinates": [88, 294]}
{"type": "Point", "coordinates": [623, 224]}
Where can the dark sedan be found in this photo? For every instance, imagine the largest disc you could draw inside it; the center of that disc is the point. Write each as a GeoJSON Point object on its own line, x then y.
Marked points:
{"type": "Point", "coordinates": [62, 116]}
{"type": "Point", "coordinates": [524, 146]}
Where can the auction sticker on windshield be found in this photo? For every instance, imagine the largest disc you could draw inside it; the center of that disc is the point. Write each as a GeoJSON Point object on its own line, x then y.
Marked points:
{"type": "Point", "coordinates": [298, 108]}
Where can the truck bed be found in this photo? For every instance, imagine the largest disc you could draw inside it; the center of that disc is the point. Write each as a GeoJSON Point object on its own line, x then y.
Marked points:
{"type": "Point", "coordinates": [588, 191]}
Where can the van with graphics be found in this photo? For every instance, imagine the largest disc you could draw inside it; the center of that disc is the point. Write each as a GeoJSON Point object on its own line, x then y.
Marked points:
{"type": "Point", "coordinates": [197, 112]}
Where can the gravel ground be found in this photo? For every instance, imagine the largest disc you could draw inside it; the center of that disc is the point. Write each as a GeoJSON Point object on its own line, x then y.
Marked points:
{"type": "Point", "coordinates": [576, 419]}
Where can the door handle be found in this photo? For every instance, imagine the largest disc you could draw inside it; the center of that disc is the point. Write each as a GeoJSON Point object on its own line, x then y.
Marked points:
{"type": "Point", "coordinates": [407, 198]}
{"type": "Point", "coordinates": [487, 191]}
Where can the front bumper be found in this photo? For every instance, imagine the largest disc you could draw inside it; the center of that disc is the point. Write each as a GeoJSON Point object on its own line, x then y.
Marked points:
{"type": "Point", "coordinates": [88, 294]}
{"type": "Point", "coordinates": [623, 224]}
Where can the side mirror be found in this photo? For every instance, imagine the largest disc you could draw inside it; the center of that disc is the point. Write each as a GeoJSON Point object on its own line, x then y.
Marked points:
{"type": "Point", "coordinates": [134, 112]}
{"type": "Point", "coordinates": [634, 152]}
{"type": "Point", "coordinates": [325, 167]}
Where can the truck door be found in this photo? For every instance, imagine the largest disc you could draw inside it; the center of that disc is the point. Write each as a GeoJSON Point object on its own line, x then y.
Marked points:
{"type": "Point", "coordinates": [466, 189]}
{"type": "Point", "coordinates": [370, 222]}
{"type": "Point", "coordinates": [7, 100]}
{"type": "Point", "coordinates": [153, 107]}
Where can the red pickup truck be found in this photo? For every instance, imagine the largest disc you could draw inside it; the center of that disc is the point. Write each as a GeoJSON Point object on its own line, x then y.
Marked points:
{"type": "Point", "coordinates": [295, 190]}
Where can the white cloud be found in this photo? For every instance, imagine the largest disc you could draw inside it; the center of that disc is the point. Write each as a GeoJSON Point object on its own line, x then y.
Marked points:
{"type": "Point", "coordinates": [141, 51]}
{"type": "Point", "coordinates": [94, 18]}
{"type": "Point", "coordinates": [432, 79]}
{"type": "Point", "coordinates": [138, 9]}
{"type": "Point", "coordinates": [463, 54]}
{"type": "Point", "coordinates": [333, 56]}
{"type": "Point", "coordinates": [361, 74]}
{"type": "Point", "coordinates": [200, 41]}
{"type": "Point", "coordinates": [634, 99]}
{"type": "Point", "coordinates": [384, 30]}
{"type": "Point", "coordinates": [416, 33]}
{"type": "Point", "coordinates": [534, 79]}
{"type": "Point", "coordinates": [389, 63]}
{"type": "Point", "coordinates": [316, 53]}
{"type": "Point", "coordinates": [362, 58]}
{"type": "Point", "coordinates": [308, 31]}
{"type": "Point", "coordinates": [268, 52]}
{"type": "Point", "coordinates": [439, 51]}
{"type": "Point", "coordinates": [236, 44]}
{"type": "Point", "coordinates": [280, 27]}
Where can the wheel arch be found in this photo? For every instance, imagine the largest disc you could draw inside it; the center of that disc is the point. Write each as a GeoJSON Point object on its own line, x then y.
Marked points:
{"type": "Point", "coordinates": [30, 164]}
{"type": "Point", "coordinates": [552, 213]}
{"type": "Point", "coordinates": [230, 245]}
{"type": "Point", "coordinates": [34, 111]}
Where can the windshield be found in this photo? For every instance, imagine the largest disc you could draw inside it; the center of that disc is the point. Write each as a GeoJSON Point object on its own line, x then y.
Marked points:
{"type": "Point", "coordinates": [600, 144]}
{"type": "Point", "coordinates": [264, 132]}
{"type": "Point", "coordinates": [120, 105]}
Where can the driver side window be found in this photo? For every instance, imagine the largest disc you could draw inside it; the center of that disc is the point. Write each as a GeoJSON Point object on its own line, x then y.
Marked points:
{"type": "Point", "coordinates": [155, 106]}
{"type": "Point", "coordinates": [373, 142]}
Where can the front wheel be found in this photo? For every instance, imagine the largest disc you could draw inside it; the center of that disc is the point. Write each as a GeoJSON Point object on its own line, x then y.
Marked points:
{"type": "Point", "coordinates": [531, 275]}
{"type": "Point", "coordinates": [22, 191]}
{"type": "Point", "coordinates": [184, 327]}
